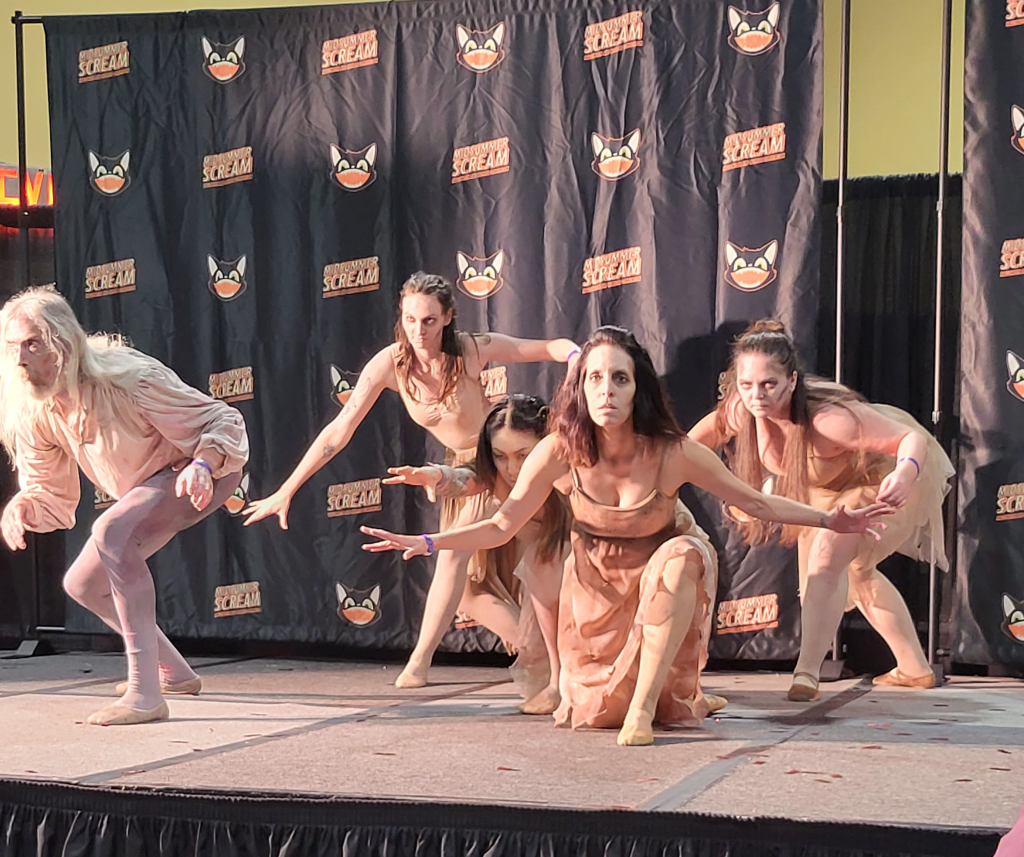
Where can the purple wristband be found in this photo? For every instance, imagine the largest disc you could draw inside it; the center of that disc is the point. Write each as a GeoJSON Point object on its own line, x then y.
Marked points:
{"type": "Point", "coordinates": [912, 461]}
{"type": "Point", "coordinates": [430, 543]}
{"type": "Point", "coordinates": [198, 462]}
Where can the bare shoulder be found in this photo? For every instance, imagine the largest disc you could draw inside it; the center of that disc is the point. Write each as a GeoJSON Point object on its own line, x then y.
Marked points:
{"type": "Point", "coordinates": [474, 351]}
{"type": "Point", "coordinates": [379, 372]}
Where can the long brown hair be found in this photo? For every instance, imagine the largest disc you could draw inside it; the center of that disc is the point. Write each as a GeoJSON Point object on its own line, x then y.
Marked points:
{"type": "Point", "coordinates": [652, 414]}
{"type": "Point", "coordinates": [526, 414]}
{"type": "Point", "coordinates": [432, 286]}
{"type": "Point", "coordinates": [811, 394]}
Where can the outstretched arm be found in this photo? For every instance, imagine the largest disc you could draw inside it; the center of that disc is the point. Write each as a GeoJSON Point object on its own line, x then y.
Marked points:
{"type": "Point", "coordinates": [498, 348]}
{"type": "Point", "coordinates": [692, 462]}
{"type": "Point", "coordinates": [536, 481]}
{"type": "Point", "coordinates": [372, 380]}
{"type": "Point", "coordinates": [438, 480]}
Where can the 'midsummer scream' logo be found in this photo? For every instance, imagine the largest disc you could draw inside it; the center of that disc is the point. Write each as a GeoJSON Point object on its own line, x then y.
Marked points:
{"type": "Point", "coordinates": [110, 278]}
{"type": "Point", "coordinates": [756, 146]}
{"type": "Point", "coordinates": [495, 382]}
{"type": "Point", "coordinates": [236, 599]}
{"type": "Point", "coordinates": [1014, 13]}
{"type": "Point", "coordinates": [1011, 258]}
{"type": "Point", "coordinates": [348, 52]}
{"type": "Point", "coordinates": [103, 62]}
{"type": "Point", "coordinates": [353, 498]}
{"type": "Point", "coordinates": [1010, 502]}
{"type": "Point", "coordinates": [481, 159]}
{"type": "Point", "coordinates": [351, 277]}
{"type": "Point", "coordinates": [227, 167]}
{"type": "Point", "coordinates": [102, 500]}
{"type": "Point", "coordinates": [748, 614]}
{"type": "Point", "coordinates": [235, 385]}
{"type": "Point", "coordinates": [613, 35]}
{"type": "Point", "coordinates": [612, 269]}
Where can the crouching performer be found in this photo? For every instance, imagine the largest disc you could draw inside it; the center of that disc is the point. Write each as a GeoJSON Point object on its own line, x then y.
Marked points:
{"type": "Point", "coordinates": [167, 453]}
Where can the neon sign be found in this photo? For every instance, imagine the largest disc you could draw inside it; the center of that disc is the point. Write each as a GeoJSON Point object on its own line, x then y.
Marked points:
{"type": "Point", "coordinates": [39, 186]}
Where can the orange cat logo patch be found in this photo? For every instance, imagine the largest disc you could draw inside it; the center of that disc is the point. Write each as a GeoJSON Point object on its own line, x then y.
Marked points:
{"type": "Point", "coordinates": [227, 279]}
{"type": "Point", "coordinates": [1015, 370]}
{"type": "Point", "coordinates": [224, 63]}
{"type": "Point", "coordinates": [753, 33]}
{"type": "Point", "coordinates": [1017, 117]}
{"type": "Point", "coordinates": [354, 170]}
{"type": "Point", "coordinates": [358, 607]}
{"type": "Point", "coordinates": [239, 499]}
{"type": "Point", "coordinates": [109, 176]}
{"type": "Point", "coordinates": [480, 278]}
{"type": "Point", "coordinates": [750, 270]}
{"type": "Point", "coordinates": [1013, 618]}
{"type": "Point", "coordinates": [341, 387]}
{"type": "Point", "coordinates": [615, 157]}
{"type": "Point", "coordinates": [480, 50]}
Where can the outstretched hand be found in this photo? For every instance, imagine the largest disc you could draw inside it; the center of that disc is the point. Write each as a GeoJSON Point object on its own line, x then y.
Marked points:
{"type": "Point", "coordinates": [276, 504]}
{"type": "Point", "coordinates": [13, 525]}
{"type": "Point", "coordinates": [427, 476]}
{"type": "Point", "coordinates": [410, 545]}
{"type": "Point", "coordinates": [865, 520]}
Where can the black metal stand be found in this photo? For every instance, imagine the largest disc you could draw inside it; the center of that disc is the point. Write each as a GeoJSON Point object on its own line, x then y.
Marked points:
{"type": "Point", "coordinates": [30, 627]}
{"type": "Point", "coordinates": [832, 668]}
{"type": "Point", "coordinates": [940, 243]}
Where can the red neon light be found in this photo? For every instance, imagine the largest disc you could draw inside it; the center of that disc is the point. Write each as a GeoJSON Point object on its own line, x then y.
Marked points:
{"type": "Point", "coordinates": [37, 179]}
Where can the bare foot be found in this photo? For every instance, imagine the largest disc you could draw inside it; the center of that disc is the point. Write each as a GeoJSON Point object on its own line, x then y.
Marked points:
{"type": "Point", "coordinates": [412, 676]}
{"type": "Point", "coordinates": [637, 729]}
{"type": "Point", "coordinates": [544, 702]}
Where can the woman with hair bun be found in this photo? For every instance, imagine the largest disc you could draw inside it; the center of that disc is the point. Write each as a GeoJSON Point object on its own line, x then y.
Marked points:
{"type": "Point", "coordinates": [821, 443]}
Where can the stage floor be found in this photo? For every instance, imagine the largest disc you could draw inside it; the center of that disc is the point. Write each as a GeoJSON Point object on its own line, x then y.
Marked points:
{"type": "Point", "coordinates": [952, 756]}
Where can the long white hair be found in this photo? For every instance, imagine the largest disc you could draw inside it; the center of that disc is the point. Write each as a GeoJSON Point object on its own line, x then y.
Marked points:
{"type": "Point", "coordinates": [98, 363]}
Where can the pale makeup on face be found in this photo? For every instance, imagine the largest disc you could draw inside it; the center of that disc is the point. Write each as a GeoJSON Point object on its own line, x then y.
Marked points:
{"type": "Point", "coordinates": [39, 364]}
{"type": "Point", "coordinates": [609, 385]}
{"type": "Point", "coordinates": [764, 387]}
{"type": "Point", "coordinates": [424, 321]}
{"type": "Point", "coordinates": [510, 449]}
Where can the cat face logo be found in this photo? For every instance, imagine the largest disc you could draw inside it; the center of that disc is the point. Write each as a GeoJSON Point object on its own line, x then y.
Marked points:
{"type": "Point", "coordinates": [240, 499]}
{"type": "Point", "coordinates": [480, 50]}
{"type": "Point", "coordinates": [354, 170]}
{"type": "Point", "coordinates": [359, 607]}
{"type": "Point", "coordinates": [341, 389]}
{"type": "Point", "coordinates": [224, 62]}
{"type": "Point", "coordinates": [1013, 618]}
{"type": "Point", "coordinates": [227, 279]}
{"type": "Point", "coordinates": [749, 270]}
{"type": "Point", "coordinates": [1015, 370]}
{"type": "Point", "coordinates": [615, 157]}
{"type": "Point", "coordinates": [480, 278]}
{"type": "Point", "coordinates": [753, 33]}
{"type": "Point", "coordinates": [109, 175]}
{"type": "Point", "coordinates": [1017, 140]}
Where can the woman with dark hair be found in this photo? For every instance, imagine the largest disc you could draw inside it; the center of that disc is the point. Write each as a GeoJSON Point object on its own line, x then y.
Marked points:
{"type": "Point", "coordinates": [435, 368]}
{"type": "Point", "coordinates": [525, 573]}
{"type": "Point", "coordinates": [822, 444]}
{"type": "Point", "coordinates": [636, 595]}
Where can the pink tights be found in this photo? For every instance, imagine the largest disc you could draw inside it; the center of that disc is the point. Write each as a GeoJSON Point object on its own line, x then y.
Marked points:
{"type": "Point", "coordinates": [110, 577]}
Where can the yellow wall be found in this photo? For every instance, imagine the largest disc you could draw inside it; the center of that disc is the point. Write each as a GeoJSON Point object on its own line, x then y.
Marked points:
{"type": "Point", "coordinates": [894, 79]}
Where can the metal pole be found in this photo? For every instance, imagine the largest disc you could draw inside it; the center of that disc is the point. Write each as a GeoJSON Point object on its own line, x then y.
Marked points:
{"type": "Point", "coordinates": [947, 13]}
{"type": "Point", "coordinates": [19, 54]}
{"type": "Point", "coordinates": [844, 137]}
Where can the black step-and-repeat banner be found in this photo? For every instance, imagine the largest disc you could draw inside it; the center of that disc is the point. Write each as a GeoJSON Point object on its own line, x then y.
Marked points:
{"type": "Point", "coordinates": [241, 194]}
{"type": "Point", "coordinates": [990, 568]}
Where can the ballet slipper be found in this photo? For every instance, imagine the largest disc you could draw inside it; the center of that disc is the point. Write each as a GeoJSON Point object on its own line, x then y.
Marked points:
{"type": "Point", "coordinates": [803, 691]}
{"type": "Point", "coordinates": [409, 677]}
{"type": "Point", "coordinates": [122, 715]}
{"type": "Point", "coordinates": [545, 702]}
{"type": "Point", "coordinates": [188, 687]}
{"type": "Point", "coordinates": [895, 678]}
{"type": "Point", "coordinates": [715, 702]}
{"type": "Point", "coordinates": [637, 729]}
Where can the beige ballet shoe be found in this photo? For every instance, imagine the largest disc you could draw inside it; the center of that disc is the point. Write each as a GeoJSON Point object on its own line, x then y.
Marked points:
{"type": "Point", "coordinates": [715, 702]}
{"type": "Point", "coordinates": [545, 702]}
{"type": "Point", "coordinates": [806, 691]}
{"type": "Point", "coordinates": [122, 715]}
{"type": "Point", "coordinates": [637, 730]}
{"type": "Point", "coordinates": [189, 687]}
{"type": "Point", "coordinates": [407, 678]}
{"type": "Point", "coordinates": [895, 678]}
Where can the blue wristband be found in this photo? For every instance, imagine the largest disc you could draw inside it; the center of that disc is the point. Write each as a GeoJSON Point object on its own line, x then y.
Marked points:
{"type": "Point", "coordinates": [912, 461]}
{"type": "Point", "coordinates": [573, 353]}
{"type": "Point", "coordinates": [430, 543]}
{"type": "Point", "coordinates": [198, 462]}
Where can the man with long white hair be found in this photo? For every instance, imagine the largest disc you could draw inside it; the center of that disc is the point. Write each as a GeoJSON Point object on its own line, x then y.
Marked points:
{"type": "Point", "coordinates": [169, 455]}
